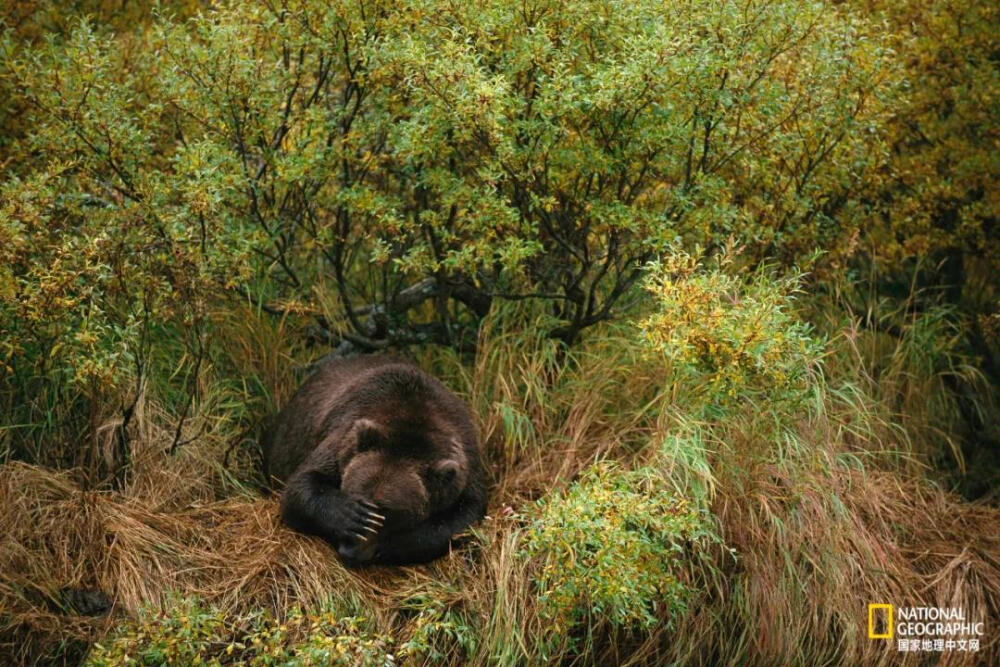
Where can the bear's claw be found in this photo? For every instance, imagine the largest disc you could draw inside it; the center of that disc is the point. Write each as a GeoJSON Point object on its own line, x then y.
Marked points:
{"type": "Point", "coordinates": [370, 520]}
{"type": "Point", "coordinates": [370, 506]}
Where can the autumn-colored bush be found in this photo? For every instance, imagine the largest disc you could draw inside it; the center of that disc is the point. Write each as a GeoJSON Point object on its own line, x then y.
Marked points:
{"type": "Point", "coordinates": [390, 170]}
{"type": "Point", "coordinates": [735, 337]}
{"type": "Point", "coordinates": [612, 550]}
{"type": "Point", "coordinates": [929, 247]}
{"type": "Point", "coordinates": [187, 632]}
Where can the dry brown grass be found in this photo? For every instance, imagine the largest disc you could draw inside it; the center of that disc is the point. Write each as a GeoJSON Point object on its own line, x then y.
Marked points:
{"type": "Point", "coordinates": [807, 567]}
{"type": "Point", "coordinates": [815, 537]}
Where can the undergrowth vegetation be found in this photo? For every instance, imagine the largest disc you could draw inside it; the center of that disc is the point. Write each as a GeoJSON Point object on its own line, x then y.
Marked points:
{"type": "Point", "coordinates": [748, 529]}
{"type": "Point", "coordinates": [611, 550]}
{"type": "Point", "coordinates": [191, 633]}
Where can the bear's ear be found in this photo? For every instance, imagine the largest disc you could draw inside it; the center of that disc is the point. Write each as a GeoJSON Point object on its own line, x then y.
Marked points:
{"type": "Point", "coordinates": [369, 434]}
{"type": "Point", "coordinates": [451, 470]}
{"type": "Point", "coordinates": [446, 471]}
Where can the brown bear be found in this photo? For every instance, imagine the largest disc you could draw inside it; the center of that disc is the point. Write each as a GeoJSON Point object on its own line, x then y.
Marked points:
{"type": "Point", "coordinates": [378, 458]}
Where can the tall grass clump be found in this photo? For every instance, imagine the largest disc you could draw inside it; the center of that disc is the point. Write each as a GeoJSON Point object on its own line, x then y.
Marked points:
{"type": "Point", "coordinates": [910, 359]}
{"type": "Point", "coordinates": [801, 475]}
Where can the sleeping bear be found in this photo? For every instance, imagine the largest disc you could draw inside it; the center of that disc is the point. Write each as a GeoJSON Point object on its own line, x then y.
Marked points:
{"type": "Point", "coordinates": [378, 458]}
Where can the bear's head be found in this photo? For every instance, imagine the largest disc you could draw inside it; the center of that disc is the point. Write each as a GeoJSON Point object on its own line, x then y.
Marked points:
{"type": "Point", "coordinates": [408, 473]}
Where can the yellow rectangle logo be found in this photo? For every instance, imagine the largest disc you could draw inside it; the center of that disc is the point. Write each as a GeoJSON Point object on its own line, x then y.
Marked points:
{"type": "Point", "coordinates": [871, 622]}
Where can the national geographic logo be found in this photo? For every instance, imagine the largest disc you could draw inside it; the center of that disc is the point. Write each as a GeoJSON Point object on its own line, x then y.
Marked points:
{"type": "Point", "coordinates": [937, 629]}
{"type": "Point", "coordinates": [880, 621]}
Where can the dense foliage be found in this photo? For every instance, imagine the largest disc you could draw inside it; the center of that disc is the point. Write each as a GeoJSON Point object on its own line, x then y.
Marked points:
{"type": "Point", "coordinates": [939, 192]}
{"type": "Point", "coordinates": [612, 548]}
{"type": "Point", "coordinates": [393, 171]}
{"type": "Point", "coordinates": [191, 633]}
{"type": "Point", "coordinates": [736, 337]}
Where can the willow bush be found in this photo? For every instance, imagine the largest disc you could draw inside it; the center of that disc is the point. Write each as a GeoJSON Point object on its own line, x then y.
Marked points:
{"type": "Point", "coordinates": [613, 552]}
{"type": "Point", "coordinates": [391, 169]}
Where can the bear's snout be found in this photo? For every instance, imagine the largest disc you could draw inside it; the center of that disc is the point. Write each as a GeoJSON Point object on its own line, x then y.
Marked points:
{"type": "Point", "coordinates": [394, 485]}
{"type": "Point", "coordinates": [357, 553]}
{"type": "Point", "coordinates": [402, 496]}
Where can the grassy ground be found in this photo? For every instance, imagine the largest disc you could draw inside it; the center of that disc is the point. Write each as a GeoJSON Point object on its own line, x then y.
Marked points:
{"type": "Point", "coordinates": [754, 534]}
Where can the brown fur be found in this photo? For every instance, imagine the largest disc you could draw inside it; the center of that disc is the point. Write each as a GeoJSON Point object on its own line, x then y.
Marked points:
{"type": "Point", "coordinates": [372, 437]}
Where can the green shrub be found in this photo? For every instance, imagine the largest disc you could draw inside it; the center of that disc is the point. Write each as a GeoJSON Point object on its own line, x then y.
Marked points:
{"type": "Point", "coordinates": [550, 151]}
{"type": "Point", "coordinates": [612, 550]}
{"type": "Point", "coordinates": [732, 337]}
{"type": "Point", "coordinates": [438, 633]}
{"type": "Point", "coordinates": [189, 632]}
